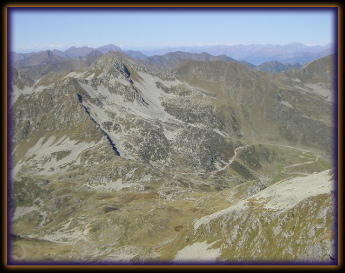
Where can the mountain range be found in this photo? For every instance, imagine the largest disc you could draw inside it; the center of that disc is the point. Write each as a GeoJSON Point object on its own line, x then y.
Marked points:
{"type": "Point", "coordinates": [294, 53]}
{"type": "Point", "coordinates": [87, 56]}
{"type": "Point", "coordinates": [177, 158]}
{"type": "Point", "coordinates": [256, 53]}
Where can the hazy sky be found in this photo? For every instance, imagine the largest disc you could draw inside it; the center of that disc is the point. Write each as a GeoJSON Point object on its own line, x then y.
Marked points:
{"type": "Point", "coordinates": [47, 29]}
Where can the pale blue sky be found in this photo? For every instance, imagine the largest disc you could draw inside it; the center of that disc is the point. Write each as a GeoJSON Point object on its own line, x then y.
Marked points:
{"type": "Point", "coordinates": [49, 29]}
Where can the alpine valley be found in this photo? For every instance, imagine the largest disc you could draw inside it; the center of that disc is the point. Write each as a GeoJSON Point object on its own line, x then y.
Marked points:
{"type": "Point", "coordinates": [117, 157]}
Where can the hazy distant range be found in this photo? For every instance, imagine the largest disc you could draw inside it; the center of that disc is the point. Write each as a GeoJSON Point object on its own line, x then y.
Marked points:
{"type": "Point", "coordinates": [293, 53]}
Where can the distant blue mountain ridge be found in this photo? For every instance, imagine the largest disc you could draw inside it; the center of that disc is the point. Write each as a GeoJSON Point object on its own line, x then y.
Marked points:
{"type": "Point", "coordinates": [256, 54]}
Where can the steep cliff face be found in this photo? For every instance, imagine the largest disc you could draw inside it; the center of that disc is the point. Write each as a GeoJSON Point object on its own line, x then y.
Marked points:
{"type": "Point", "coordinates": [120, 161]}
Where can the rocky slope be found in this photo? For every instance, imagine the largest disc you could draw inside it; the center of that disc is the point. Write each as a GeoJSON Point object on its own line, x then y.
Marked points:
{"type": "Point", "coordinates": [296, 211]}
{"type": "Point", "coordinates": [119, 161]}
{"type": "Point", "coordinates": [264, 106]}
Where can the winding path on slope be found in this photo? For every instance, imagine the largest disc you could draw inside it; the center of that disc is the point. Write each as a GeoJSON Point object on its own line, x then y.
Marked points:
{"type": "Point", "coordinates": [300, 164]}
{"type": "Point", "coordinates": [238, 149]}
{"type": "Point", "coordinates": [221, 169]}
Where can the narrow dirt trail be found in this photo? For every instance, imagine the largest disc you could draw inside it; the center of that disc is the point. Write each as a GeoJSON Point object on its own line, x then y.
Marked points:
{"type": "Point", "coordinates": [284, 146]}
{"type": "Point", "coordinates": [299, 164]}
{"type": "Point", "coordinates": [232, 159]}
{"type": "Point", "coordinates": [238, 149]}
{"type": "Point", "coordinates": [221, 169]}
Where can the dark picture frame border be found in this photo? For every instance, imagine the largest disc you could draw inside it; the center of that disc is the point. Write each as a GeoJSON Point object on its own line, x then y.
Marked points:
{"type": "Point", "coordinates": [7, 45]}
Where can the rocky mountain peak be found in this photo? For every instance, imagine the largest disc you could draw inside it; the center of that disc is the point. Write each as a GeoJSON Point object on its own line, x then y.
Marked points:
{"type": "Point", "coordinates": [108, 48]}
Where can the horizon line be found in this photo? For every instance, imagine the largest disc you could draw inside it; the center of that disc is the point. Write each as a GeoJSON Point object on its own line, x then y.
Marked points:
{"type": "Point", "coordinates": [64, 47]}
